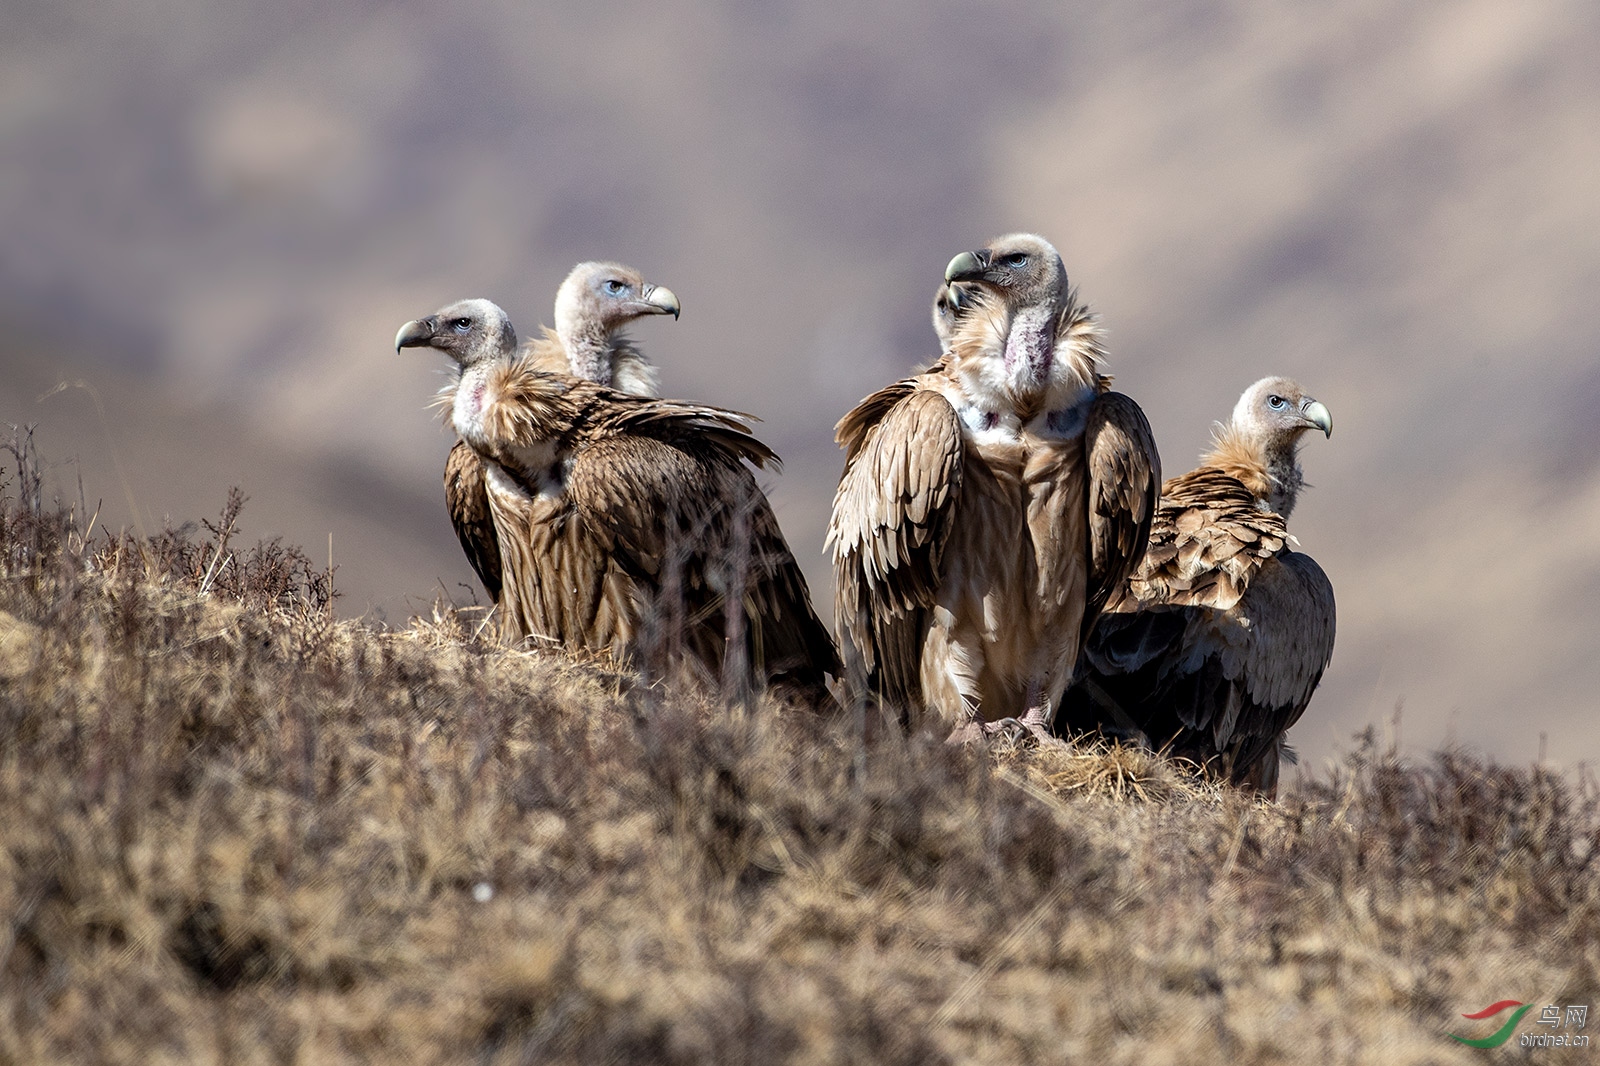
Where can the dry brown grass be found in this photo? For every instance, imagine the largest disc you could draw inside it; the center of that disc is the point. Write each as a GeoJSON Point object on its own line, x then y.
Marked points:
{"type": "Point", "coordinates": [234, 831]}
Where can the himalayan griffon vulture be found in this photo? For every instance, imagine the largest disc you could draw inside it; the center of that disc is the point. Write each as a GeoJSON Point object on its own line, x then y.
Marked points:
{"type": "Point", "coordinates": [1215, 644]}
{"type": "Point", "coordinates": [990, 505]}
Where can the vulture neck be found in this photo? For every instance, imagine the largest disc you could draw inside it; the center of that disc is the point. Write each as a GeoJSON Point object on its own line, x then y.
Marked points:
{"type": "Point", "coordinates": [610, 359]}
{"type": "Point", "coordinates": [631, 372]}
{"type": "Point", "coordinates": [1026, 362]}
{"type": "Point", "coordinates": [1030, 348]}
{"type": "Point", "coordinates": [621, 366]}
{"type": "Point", "coordinates": [588, 346]}
{"type": "Point", "coordinates": [472, 395]}
{"type": "Point", "coordinates": [1269, 469]}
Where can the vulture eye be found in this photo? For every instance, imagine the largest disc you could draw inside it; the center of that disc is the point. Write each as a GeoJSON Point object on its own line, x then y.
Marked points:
{"type": "Point", "coordinates": [613, 286]}
{"type": "Point", "coordinates": [461, 325]}
{"type": "Point", "coordinates": [1015, 259]}
{"type": "Point", "coordinates": [1276, 401]}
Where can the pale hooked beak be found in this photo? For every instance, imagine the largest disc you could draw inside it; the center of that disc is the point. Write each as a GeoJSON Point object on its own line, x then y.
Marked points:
{"type": "Point", "coordinates": [660, 300]}
{"type": "Point", "coordinates": [968, 266]}
{"type": "Point", "coordinates": [1318, 415]}
{"type": "Point", "coordinates": [416, 334]}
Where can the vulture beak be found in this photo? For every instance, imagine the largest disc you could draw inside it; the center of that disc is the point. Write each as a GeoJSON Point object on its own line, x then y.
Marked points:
{"type": "Point", "coordinates": [1318, 415]}
{"type": "Point", "coordinates": [417, 334]}
{"type": "Point", "coordinates": [660, 300]}
{"type": "Point", "coordinates": [968, 266]}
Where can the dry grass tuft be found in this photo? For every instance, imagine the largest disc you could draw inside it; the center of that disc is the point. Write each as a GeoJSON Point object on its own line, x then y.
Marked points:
{"type": "Point", "coordinates": [236, 831]}
{"type": "Point", "coordinates": [1107, 769]}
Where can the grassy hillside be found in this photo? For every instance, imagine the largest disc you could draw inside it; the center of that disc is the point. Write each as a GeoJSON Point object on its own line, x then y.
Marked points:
{"type": "Point", "coordinates": [234, 831]}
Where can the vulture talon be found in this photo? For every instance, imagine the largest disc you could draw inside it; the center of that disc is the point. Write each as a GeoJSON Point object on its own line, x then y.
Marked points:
{"type": "Point", "coordinates": [1011, 728]}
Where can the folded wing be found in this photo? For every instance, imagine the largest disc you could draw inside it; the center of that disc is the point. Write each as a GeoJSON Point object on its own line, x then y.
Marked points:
{"type": "Point", "coordinates": [890, 526]}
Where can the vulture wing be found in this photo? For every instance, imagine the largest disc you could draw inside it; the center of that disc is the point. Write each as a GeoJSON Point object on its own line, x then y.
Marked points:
{"type": "Point", "coordinates": [1124, 481]}
{"type": "Point", "coordinates": [1269, 654]}
{"type": "Point", "coordinates": [891, 522]}
{"type": "Point", "coordinates": [631, 523]}
{"type": "Point", "coordinates": [664, 488]}
{"type": "Point", "coordinates": [467, 498]}
{"type": "Point", "coordinates": [1236, 679]}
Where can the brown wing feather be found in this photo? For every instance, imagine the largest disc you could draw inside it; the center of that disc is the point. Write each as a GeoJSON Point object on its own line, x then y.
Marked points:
{"type": "Point", "coordinates": [657, 490]}
{"type": "Point", "coordinates": [561, 584]}
{"type": "Point", "coordinates": [891, 522]}
{"type": "Point", "coordinates": [855, 427]}
{"type": "Point", "coordinates": [1207, 538]}
{"type": "Point", "coordinates": [534, 405]}
{"type": "Point", "coordinates": [679, 423]}
{"type": "Point", "coordinates": [468, 502]}
{"type": "Point", "coordinates": [686, 519]}
{"type": "Point", "coordinates": [1242, 676]}
{"type": "Point", "coordinates": [1124, 481]}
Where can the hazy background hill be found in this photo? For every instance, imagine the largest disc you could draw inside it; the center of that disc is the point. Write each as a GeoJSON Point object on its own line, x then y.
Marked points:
{"type": "Point", "coordinates": [217, 216]}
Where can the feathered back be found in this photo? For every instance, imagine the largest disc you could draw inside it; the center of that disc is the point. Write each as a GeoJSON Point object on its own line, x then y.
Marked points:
{"type": "Point", "coordinates": [1207, 540]}
{"type": "Point", "coordinates": [534, 404]}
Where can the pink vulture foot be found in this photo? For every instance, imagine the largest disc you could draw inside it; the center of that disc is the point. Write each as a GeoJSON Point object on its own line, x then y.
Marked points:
{"type": "Point", "coordinates": [1029, 728]}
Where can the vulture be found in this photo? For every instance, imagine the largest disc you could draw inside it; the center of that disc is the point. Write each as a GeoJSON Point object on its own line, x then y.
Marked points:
{"type": "Point", "coordinates": [623, 523]}
{"type": "Point", "coordinates": [990, 505]}
{"type": "Point", "coordinates": [593, 304]}
{"type": "Point", "coordinates": [1216, 642]}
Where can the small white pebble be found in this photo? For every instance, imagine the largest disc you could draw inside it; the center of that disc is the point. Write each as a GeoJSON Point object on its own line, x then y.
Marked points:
{"type": "Point", "coordinates": [482, 892]}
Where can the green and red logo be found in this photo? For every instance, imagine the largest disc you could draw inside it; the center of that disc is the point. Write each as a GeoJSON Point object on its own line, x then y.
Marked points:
{"type": "Point", "coordinates": [1500, 1035]}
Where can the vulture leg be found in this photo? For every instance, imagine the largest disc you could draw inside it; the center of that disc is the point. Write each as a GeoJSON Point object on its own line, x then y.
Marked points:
{"type": "Point", "coordinates": [1019, 730]}
{"type": "Point", "coordinates": [1034, 723]}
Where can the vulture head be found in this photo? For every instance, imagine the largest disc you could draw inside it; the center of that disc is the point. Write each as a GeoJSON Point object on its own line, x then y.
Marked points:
{"type": "Point", "coordinates": [597, 300]}
{"type": "Point", "coordinates": [1260, 444]}
{"type": "Point", "coordinates": [1024, 269]}
{"type": "Point", "coordinates": [1025, 321]}
{"type": "Point", "coordinates": [1276, 411]}
{"type": "Point", "coordinates": [953, 300]}
{"type": "Point", "coordinates": [468, 331]}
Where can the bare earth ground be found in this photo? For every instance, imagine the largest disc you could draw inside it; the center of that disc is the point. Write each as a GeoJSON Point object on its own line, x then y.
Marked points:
{"type": "Point", "coordinates": [232, 831]}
